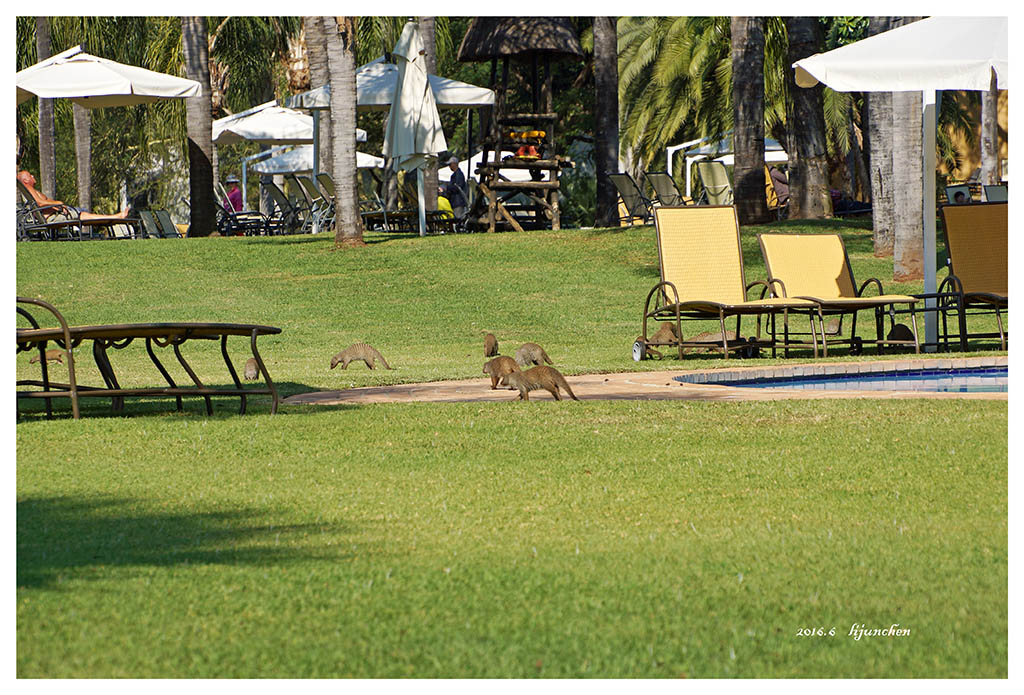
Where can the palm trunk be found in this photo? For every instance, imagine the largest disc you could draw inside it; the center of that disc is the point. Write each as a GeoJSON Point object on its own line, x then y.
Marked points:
{"type": "Point", "coordinates": [83, 155]}
{"type": "Point", "coordinates": [880, 153]}
{"type": "Point", "coordinates": [199, 120]}
{"type": "Point", "coordinates": [319, 75]}
{"type": "Point", "coordinates": [429, 172]}
{"type": "Point", "coordinates": [990, 134]}
{"type": "Point", "coordinates": [47, 130]}
{"type": "Point", "coordinates": [341, 59]}
{"type": "Point", "coordinates": [748, 119]}
{"type": "Point", "coordinates": [809, 196]}
{"type": "Point", "coordinates": [907, 175]}
{"type": "Point", "coordinates": [606, 86]}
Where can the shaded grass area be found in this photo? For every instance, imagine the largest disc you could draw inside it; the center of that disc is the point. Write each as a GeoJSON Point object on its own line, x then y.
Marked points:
{"type": "Point", "coordinates": [595, 539]}
{"type": "Point", "coordinates": [599, 539]}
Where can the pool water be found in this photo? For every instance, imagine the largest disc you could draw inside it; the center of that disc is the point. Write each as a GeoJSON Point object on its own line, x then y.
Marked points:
{"type": "Point", "coordinates": [969, 380]}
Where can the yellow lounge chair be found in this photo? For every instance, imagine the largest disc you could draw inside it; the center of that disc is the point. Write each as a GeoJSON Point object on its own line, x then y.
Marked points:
{"type": "Point", "coordinates": [816, 267]}
{"type": "Point", "coordinates": [976, 241]}
{"type": "Point", "coordinates": [702, 278]}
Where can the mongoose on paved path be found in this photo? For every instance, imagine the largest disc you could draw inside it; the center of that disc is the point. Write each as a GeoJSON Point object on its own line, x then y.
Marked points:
{"type": "Point", "coordinates": [490, 345]}
{"type": "Point", "coordinates": [498, 368]}
{"type": "Point", "coordinates": [252, 370]}
{"type": "Point", "coordinates": [538, 378]}
{"type": "Point", "coordinates": [51, 356]}
{"type": "Point", "coordinates": [359, 351]}
{"type": "Point", "coordinates": [532, 353]}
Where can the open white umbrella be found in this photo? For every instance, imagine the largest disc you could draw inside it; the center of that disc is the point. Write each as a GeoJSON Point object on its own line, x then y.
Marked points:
{"type": "Point", "coordinates": [300, 160]}
{"type": "Point", "coordinates": [413, 135]}
{"type": "Point", "coordinates": [925, 56]}
{"type": "Point", "coordinates": [95, 82]}
{"type": "Point", "coordinates": [268, 124]}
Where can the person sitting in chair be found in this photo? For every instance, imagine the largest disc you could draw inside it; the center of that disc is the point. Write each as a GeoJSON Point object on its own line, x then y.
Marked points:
{"type": "Point", "coordinates": [55, 210]}
{"type": "Point", "coordinates": [234, 194]}
{"type": "Point", "coordinates": [455, 189]}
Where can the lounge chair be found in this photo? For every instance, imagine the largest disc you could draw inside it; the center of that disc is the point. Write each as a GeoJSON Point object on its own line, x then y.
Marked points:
{"type": "Point", "coordinates": [150, 227]}
{"type": "Point", "coordinates": [816, 267]}
{"type": "Point", "coordinates": [32, 222]}
{"type": "Point", "coordinates": [702, 278]}
{"type": "Point", "coordinates": [976, 241]}
{"type": "Point", "coordinates": [320, 204]}
{"type": "Point", "coordinates": [638, 206]}
{"type": "Point", "coordinates": [995, 194]}
{"type": "Point", "coordinates": [714, 177]}
{"type": "Point", "coordinates": [287, 218]}
{"type": "Point", "coordinates": [168, 229]}
{"type": "Point", "coordinates": [665, 190]}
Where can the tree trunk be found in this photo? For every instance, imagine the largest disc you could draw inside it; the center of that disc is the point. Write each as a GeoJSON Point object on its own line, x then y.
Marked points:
{"type": "Point", "coordinates": [341, 60]}
{"type": "Point", "coordinates": [908, 241]}
{"type": "Point", "coordinates": [990, 134]}
{"type": "Point", "coordinates": [907, 176]}
{"type": "Point", "coordinates": [429, 172]}
{"type": "Point", "coordinates": [606, 119]}
{"type": "Point", "coordinates": [199, 120]}
{"type": "Point", "coordinates": [83, 155]}
{"type": "Point", "coordinates": [809, 196]}
{"type": "Point", "coordinates": [748, 119]}
{"type": "Point", "coordinates": [319, 75]}
{"type": "Point", "coordinates": [47, 130]}
{"type": "Point", "coordinates": [880, 143]}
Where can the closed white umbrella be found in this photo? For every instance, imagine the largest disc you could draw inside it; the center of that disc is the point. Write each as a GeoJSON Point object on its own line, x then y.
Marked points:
{"type": "Point", "coordinates": [925, 56]}
{"type": "Point", "coordinates": [94, 82]}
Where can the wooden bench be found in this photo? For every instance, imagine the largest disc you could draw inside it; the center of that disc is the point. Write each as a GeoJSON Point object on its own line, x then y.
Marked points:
{"type": "Point", "coordinates": [119, 336]}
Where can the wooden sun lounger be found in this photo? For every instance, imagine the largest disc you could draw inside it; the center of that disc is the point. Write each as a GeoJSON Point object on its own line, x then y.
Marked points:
{"type": "Point", "coordinates": [119, 336]}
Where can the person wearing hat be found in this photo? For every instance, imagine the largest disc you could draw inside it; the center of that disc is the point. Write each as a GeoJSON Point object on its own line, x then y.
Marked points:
{"type": "Point", "coordinates": [455, 189]}
{"type": "Point", "coordinates": [234, 201]}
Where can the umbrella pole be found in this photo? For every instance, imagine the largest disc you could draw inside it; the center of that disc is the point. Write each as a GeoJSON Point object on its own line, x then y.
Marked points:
{"type": "Point", "coordinates": [422, 201]}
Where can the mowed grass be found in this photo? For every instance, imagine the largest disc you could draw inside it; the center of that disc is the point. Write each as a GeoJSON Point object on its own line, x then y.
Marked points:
{"type": "Point", "coordinates": [594, 539]}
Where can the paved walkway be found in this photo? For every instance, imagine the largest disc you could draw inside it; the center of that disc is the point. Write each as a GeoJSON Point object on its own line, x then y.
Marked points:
{"type": "Point", "coordinates": [649, 386]}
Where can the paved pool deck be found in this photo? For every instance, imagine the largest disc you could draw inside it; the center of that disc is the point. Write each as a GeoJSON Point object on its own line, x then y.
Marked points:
{"type": "Point", "coordinates": [662, 385]}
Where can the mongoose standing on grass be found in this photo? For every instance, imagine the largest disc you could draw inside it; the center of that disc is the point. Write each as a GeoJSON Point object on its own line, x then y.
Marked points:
{"type": "Point", "coordinates": [498, 368]}
{"type": "Point", "coordinates": [359, 351]}
{"type": "Point", "coordinates": [666, 334]}
{"type": "Point", "coordinates": [531, 353]}
{"type": "Point", "coordinates": [51, 356]}
{"type": "Point", "coordinates": [252, 370]}
{"type": "Point", "coordinates": [490, 345]}
{"type": "Point", "coordinates": [538, 378]}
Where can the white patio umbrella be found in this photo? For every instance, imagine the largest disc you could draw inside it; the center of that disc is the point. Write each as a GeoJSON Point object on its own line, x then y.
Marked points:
{"type": "Point", "coordinates": [268, 124]}
{"type": "Point", "coordinates": [413, 135]}
{"type": "Point", "coordinates": [300, 160]}
{"type": "Point", "coordinates": [94, 82]}
{"type": "Point", "coordinates": [925, 56]}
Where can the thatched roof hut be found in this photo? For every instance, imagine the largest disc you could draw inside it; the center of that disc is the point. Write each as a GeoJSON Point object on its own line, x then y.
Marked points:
{"type": "Point", "coordinates": [519, 37]}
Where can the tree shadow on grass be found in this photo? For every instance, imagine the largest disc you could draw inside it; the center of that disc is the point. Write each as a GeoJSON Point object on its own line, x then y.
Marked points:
{"type": "Point", "coordinates": [57, 536]}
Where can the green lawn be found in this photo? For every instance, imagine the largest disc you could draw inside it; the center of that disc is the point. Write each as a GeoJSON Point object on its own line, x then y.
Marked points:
{"type": "Point", "coordinates": [593, 539]}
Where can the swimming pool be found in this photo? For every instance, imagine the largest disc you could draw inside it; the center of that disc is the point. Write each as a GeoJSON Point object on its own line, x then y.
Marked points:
{"type": "Point", "coordinates": [962, 380]}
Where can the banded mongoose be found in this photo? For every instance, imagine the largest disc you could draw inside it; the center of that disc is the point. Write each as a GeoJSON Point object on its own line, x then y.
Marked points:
{"type": "Point", "coordinates": [498, 368]}
{"type": "Point", "coordinates": [540, 377]}
{"type": "Point", "coordinates": [531, 353]}
{"type": "Point", "coordinates": [665, 335]}
{"type": "Point", "coordinates": [252, 369]}
{"type": "Point", "coordinates": [490, 345]}
{"type": "Point", "coordinates": [359, 351]}
{"type": "Point", "coordinates": [713, 338]}
{"type": "Point", "coordinates": [51, 356]}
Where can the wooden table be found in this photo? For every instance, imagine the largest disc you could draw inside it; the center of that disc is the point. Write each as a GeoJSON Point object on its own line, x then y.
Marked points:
{"type": "Point", "coordinates": [119, 336]}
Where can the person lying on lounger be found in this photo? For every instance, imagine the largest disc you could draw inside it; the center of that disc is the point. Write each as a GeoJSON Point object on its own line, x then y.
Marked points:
{"type": "Point", "coordinates": [56, 209]}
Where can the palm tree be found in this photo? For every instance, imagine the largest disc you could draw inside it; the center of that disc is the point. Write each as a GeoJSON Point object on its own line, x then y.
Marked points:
{"type": "Point", "coordinates": [195, 51]}
{"type": "Point", "coordinates": [808, 149]}
{"type": "Point", "coordinates": [316, 48]}
{"type": "Point", "coordinates": [606, 86]}
{"type": "Point", "coordinates": [47, 131]}
{"type": "Point", "coordinates": [429, 172]}
{"type": "Point", "coordinates": [908, 238]}
{"type": "Point", "coordinates": [990, 134]}
{"type": "Point", "coordinates": [880, 126]}
{"type": "Point", "coordinates": [748, 118]}
{"type": "Point", "coordinates": [340, 33]}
